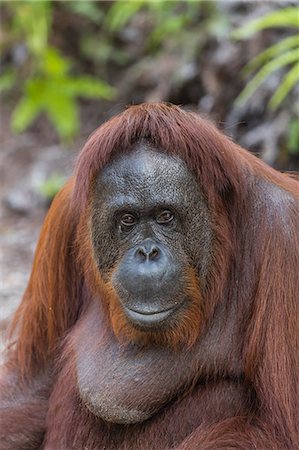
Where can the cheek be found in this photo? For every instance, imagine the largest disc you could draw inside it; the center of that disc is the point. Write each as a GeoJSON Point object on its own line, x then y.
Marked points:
{"type": "Point", "coordinates": [197, 243]}
{"type": "Point", "coordinates": [105, 245]}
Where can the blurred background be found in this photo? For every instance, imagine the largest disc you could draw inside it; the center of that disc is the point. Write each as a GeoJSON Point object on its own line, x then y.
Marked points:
{"type": "Point", "coordinates": [67, 66]}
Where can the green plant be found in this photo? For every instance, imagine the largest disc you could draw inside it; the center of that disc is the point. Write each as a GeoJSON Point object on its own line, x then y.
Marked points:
{"type": "Point", "coordinates": [49, 87]}
{"type": "Point", "coordinates": [50, 187]}
{"type": "Point", "coordinates": [163, 20]}
{"type": "Point", "coordinates": [284, 53]}
{"type": "Point", "coordinates": [293, 137]}
{"type": "Point", "coordinates": [168, 17]}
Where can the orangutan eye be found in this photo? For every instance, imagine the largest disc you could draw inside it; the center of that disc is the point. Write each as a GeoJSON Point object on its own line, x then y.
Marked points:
{"type": "Point", "coordinates": [165, 217]}
{"type": "Point", "coordinates": [127, 222]}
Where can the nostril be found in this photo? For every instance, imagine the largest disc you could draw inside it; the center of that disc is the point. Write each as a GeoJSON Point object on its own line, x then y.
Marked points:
{"type": "Point", "coordinates": [153, 254]}
{"type": "Point", "coordinates": [141, 254]}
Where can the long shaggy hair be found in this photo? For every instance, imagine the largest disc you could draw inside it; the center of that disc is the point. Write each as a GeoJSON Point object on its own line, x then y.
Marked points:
{"type": "Point", "coordinates": [254, 266]}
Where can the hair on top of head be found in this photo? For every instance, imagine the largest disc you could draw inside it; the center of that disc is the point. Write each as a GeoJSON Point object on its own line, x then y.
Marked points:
{"type": "Point", "coordinates": [219, 164]}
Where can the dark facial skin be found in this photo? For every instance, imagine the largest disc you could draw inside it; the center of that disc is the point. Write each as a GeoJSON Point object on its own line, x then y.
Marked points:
{"type": "Point", "coordinates": [150, 223]}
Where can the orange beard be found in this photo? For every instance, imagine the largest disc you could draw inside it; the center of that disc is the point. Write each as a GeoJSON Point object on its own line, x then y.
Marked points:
{"type": "Point", "coordinates": [182, 332]}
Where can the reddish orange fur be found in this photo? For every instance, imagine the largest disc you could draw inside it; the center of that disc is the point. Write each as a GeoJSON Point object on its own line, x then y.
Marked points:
{"type": "Point", "coordinates": [46, 299]}
{"type": "Point", "coordinates": [261, 252]}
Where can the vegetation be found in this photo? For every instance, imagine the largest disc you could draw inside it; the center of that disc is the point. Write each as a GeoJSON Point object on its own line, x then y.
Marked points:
{"type": "Point", "coordinates": [283, 53]}
{"type": "Point", "coordinates": [49, 85]}
{"type": "Point", "coordinates": [49, 72]}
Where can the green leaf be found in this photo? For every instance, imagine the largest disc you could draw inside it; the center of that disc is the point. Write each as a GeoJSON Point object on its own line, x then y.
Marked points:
{"type": "Point", "coordinates": [293, 138]}
{"type": "Point", "coordinates": [121, 12]}
{"type": "Point", "coordinates": [48, 94]}
{"type": "Point", "coordinates": [52, 185]}
{"type": "Point", "coordinates": [24, 114]}
{"type": "Point", "coordinates": [57, 98]}
{"type": "Point", "coordinates": [63, 113]}
{"type": "Point", "coordinates": [286, 17]}
{"type": "Point", "coordinates": [172, 25]}
{"type": "Point", "coordinates": [7, 80]}
{"type": "Point", "coordinates": [289, 81]}
{"type": "Point", "coordinates": [33, 18]}
{"type": "Point", "coordinates": [162, 7]}
{"type": "Point", "coordinates": [271, 52]}
{"type": "Point", "coordinates": [277, 63]}
{"type": "Point", "coordinates": [88, 87]}
{"type": "Point", "coordinates": [54, 64]}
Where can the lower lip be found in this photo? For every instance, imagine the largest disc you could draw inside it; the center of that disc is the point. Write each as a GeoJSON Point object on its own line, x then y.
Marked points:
{"type": "Point", "coordinates": [148, 318]}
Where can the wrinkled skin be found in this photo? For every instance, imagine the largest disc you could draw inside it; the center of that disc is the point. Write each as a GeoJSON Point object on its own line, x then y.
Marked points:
{"type": "Point", "coordinates": [170, 232]}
